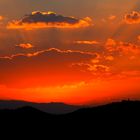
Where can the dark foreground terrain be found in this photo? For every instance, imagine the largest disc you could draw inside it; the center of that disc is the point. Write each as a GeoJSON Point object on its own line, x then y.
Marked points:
{"type": "Point", "coordinates": [51, 108]}
{"type": "Point", "coordinates": [126, 112]}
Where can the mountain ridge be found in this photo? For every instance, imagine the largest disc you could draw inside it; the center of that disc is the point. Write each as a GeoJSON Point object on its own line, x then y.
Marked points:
{"type": "Point", "coordinates": [52, 107]}
{"type": "Point", "coordinates": [125, 112]}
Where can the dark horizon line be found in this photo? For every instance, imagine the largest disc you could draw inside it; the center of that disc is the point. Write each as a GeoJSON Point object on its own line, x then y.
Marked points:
{"type": "Point", "coordinates": [78, 105]}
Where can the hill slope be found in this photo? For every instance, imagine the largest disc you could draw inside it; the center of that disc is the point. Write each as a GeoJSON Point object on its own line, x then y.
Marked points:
{"type": "Point", "coordinates": [52, 108]}
{"type": "Point", "coordinates": [126, 112]}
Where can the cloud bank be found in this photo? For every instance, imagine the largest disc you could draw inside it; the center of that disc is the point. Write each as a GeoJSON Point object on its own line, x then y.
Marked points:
{"type": "Point", "coordinates": [44, 68]}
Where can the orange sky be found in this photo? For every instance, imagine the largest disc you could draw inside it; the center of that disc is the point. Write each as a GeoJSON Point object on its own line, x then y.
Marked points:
{"type": "Point", "coordinates": [55, 54]}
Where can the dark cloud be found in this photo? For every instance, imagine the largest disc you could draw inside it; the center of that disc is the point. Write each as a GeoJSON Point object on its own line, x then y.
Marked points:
{"type": "Point", "coordinates": [52, 17]}
{"type": "Point", "coordinates": [48, 19]}
{"type": "Point", "coordinates": [132, 18]}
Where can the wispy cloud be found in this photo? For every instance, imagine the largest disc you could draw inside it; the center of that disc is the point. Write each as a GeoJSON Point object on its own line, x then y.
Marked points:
{"type": "Point", "coordinates": [25, 45]}
{"type": "Point", "coordinates": [87, 42]}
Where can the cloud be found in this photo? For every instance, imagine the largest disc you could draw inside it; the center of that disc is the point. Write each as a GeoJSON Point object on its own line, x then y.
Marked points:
{"type": "Point", "coordinates": [132, 18]}
{"type": "Point", "coordinates": [54, 74]}
{"type": "Point", "coordinates": [122, 47]}
{"type": "Point", "coordinates": [44, 68]}
{"type": "Point", "coordinates": [1, 18]}
{"type": "Point", "coordinates": [110, 42]}
{"type": "Point", "coordinates": [138, 37]}
{"type": "Point", "coordinates": [58, 67]}
{"type": "Point", "coordinates": [109, 19]}
{"type": "Point", "coordinates": [39, 20]}
{"type": "Point", "coordinates": [112, 17]}
{"type": "Point", "coordinates": [99, 68]}
{"type": "Point", "coordinates": [25, 46]}
{"type": "Point", "coordinates": [86, 42]}
{"type": "Point", "coordinates": [110, 58]}
{"type": "Point", "coordinates": [122, 57]}
{"type": "Point", "coordinates": [129, 48]}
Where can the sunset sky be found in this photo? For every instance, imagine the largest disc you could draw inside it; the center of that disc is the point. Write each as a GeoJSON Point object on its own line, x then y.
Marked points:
{"type": "Point", "coordinates": [75, 52]}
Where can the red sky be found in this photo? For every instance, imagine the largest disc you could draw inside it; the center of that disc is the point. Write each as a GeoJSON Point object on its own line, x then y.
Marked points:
{"type": "Point", "coordinates": [53, 52]}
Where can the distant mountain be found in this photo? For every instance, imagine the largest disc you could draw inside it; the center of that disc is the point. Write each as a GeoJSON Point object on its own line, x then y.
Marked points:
{"type": "Point", "coordinates": [125, 112]}
{"type": "Point", "coordinates": [126, 109]}
{"type": "Point", "coordinates": [114, 118]}
{"type": "Point", "coordinates": [122, 115]}
{"type": "Point", "coordinates": [52, 108]}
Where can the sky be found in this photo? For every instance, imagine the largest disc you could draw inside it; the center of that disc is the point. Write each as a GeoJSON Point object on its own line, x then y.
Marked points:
{"type": "Point", "coordinates": [75, 52]}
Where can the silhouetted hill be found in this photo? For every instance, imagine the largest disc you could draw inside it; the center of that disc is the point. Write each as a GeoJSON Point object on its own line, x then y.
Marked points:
{"type": "Point", "coordinates": [52, 108]}
{"type": "Point", "coordinates": [124, 109]}
{"type": "Point", "coordinates": [125, 112]}
{"type": "Point", "coordinates": [114, 118]}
